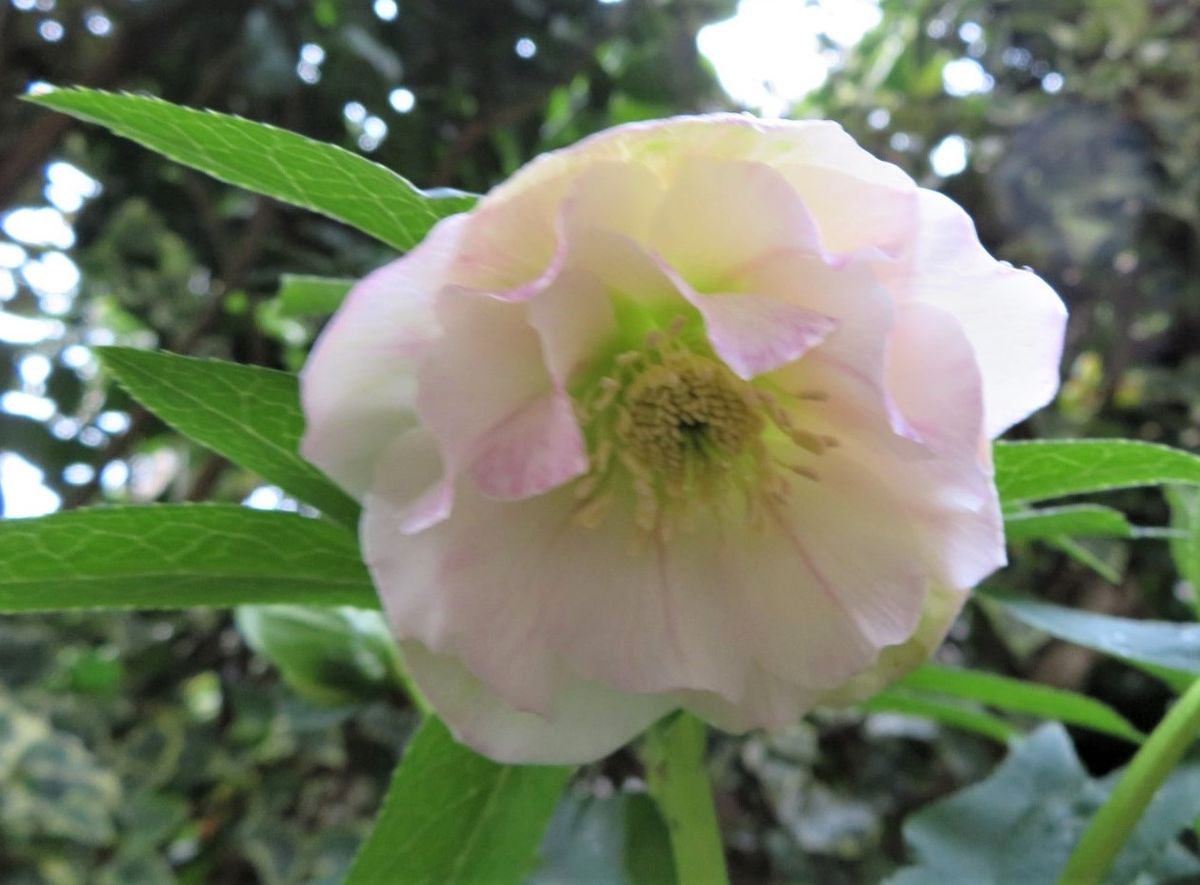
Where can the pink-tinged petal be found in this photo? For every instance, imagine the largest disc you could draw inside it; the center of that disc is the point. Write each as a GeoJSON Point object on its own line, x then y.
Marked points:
{"type": "Point", "coordinates": [947, 502]}
{"type": "Point", "coordinates": [465, 584]}
{"type": "Point", "coordinates": [522, 593]}
{"type": "Point", "coordinates": [573, 317]}
{"type": "Point", "coordinates": [586, 721]}
{"type": "Point", "coordinates": [933, 377]}
{"type": "Point", "coordinates": [941, 608]}
{"type": "Point", "coordinates": [854, 354]}
{"type": "Point", "coordinates": [358, 386]}
{"type": "Point", "coordinates": [481, 392]}
{"type": "Point", "coordinates": [768, 702]}
{"type": "Point", "coordinates": [1014, 321]}
{"type": "Point", "coordinates": [717, 217]}
{"type": "Point", "coordinates": [756, 333]}
{"type": "Point", "coordinates": [510, 243]}
{"type": "Point", "coordinates": [619, 198]}
{"type": "Point", "coordinates": [533, 451]}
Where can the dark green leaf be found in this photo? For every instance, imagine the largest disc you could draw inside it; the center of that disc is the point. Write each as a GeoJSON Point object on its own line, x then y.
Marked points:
{"type": "Point", "coordinates": [301, 296]}
{"type": "Point", "coordinates": [452, 816]}
{"type": "Point", "coordinates": [1159, 644]}
{"type": "Point", "coordinates": [619, 839]}
{"type": "Point", "coordinates": [1086, 520]}
{"type": "Point", "coordinates": [1021, 823]}
{"type": "Point", "coordinates": [1032, 471]}
{"type": "Point", "coordinates": [248, 414]}
{"type": "Point", "coordinates": [177, 556]}
{"type": "Point", "coordinates": [275, 162]}
{"type": "Point", "coordinates": [955, 715]}
{"type": "Point", "coordinates": [1018, 696]}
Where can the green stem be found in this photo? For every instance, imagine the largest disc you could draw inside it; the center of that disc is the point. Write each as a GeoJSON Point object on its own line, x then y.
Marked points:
{"type": "Point", "coordinates": [1116, 819]}
{"type": "Point", "coordinates": [673, 753]}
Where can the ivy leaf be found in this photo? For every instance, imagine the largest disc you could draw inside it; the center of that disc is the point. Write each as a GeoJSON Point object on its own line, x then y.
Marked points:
{"type": "Point", "coordinates": [620, 839]}
{"type": "Point", "coordinates": [1020, 824]}
{"type": "Point", "coordinates": [249, 414]}
{"type": "Point", "coordinates": [280, 164]}
{"type": "Point", "coordinates": [177, 556]}
{"type": "Point", "coordinates": [451, 816]}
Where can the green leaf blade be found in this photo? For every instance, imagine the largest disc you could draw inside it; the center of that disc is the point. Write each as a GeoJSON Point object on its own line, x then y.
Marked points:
{"type": "Point", "coordinates": [948, 713]}
{"type": "Point", "coordinates": [1033, 471]}
{"type": "Point", "coordinates": [452, 816]}
{"type": "Point", "coordinates": [1082, 520]}
{"type": "Point", "coordinates": [248, 414]}
{"type": "Point", "coordinates": [301, 295]}
{"type": "Point", "coordinates": [1155, 645]}
{"type": "Point", "coordinates": [1017, 696]}
{"type": "Point", "coordinates": [171, 556]}
{"type": "Point", "coordinates": [275, 162]}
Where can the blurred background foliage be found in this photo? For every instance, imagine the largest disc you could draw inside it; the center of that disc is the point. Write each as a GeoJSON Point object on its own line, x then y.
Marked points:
{"type": "Point", "coordinates": [208, 747]}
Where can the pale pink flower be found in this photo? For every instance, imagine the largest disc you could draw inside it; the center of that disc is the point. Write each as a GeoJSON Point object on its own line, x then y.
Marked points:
{"type": "Point", "coordinates": [692, 414]}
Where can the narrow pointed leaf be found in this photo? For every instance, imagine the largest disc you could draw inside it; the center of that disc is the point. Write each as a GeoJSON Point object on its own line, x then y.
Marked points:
{"type": "Point", "coordinates": [301, 296]}
{"type": "Point", "coordinates": [1154, 644]}
{"type": "Point", "coordinates": [249, 414]}
{"type": "Point", "coordinates": [177, 556]}
{"type": "Point", "coordinates": [1017, 696]}
{"type": "Point", "coordinates": [451, 816]}
{"type": "Point", "coordinates": [1033, 471]}
{"type": "Point", "coordinates": [1082, 520]}
{"type": "Point", "coordinates": [1185, 545]}
{"type": "Point", "coordinates": [949, 713]}
{"type": "Point", "coordinates": [275, 162]}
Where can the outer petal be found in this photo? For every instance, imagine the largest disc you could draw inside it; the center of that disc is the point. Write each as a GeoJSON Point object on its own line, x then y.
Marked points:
{"type": "Point", "coordinates": [1013, 320]}
{"type": "Point", "coordinates": [586, 721]}
{"type": "Point", "coordinates": [486, 395]}
{"type": "Point", "coordinates": [857, 199]}
{"type": "Point", "coordinates": [941, 608]}
{"type": "Point", "coordinates": [358, 386]}
{"type": "Point", "coordinates": [719, 216]}
{"type": "Point", "coordinates": [756, 333]}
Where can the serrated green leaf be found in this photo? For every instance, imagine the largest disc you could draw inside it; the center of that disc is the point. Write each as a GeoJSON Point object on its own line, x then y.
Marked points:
{"type": "Point", "coordinates": [1020, 824]}
{"type": "Point", "coordinates": [1018, 696]}
{"type": "Point", "coordinates": [177, 556]}
{"type": "Point", "coordinates": [249, 414]}
{"type": "Point", "coordinates": [451, 816]}
{"type": "Point", "coordinates": [1081, 520]}
{"type": "Point", "coordinates": [1156, 644]}
{"type": "Point", "coordinates": [304, 296]}
{"type": "Point", "coordinates": [280, 164]}
{"type": "Point", "coordinates": [1034, 471]}
{"type": "Point", "coordinates": [950, 713]}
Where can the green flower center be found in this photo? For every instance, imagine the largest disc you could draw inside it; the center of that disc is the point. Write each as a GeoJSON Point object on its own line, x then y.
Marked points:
{"type": "Point", "coordinates": [672, 429]}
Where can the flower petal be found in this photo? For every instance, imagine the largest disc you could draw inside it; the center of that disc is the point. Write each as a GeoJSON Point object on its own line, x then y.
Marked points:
{"type": "Point", "coordinates": [934, 379]}
{"type": "Point", "coordinates": [1012, 318]}
{"type": "Point", "coordinates": [535, 450]}
{"type": "Point", "coordinates": [485, 393]}
{"type": "Point", "coordinates": [358, 386]}
{"type": "Point", "coordinates": [586, 721]}
{"type": "Point", "coordinates": [755, 333]}
{"type": "Point", "coordinates": [718, 216]}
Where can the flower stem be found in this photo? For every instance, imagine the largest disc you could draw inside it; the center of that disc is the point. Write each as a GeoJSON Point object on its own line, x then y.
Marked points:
{"type": "Point", "coordinates": [673, 754]}
{"type": "Point", "coordinates": [1116, 819]}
